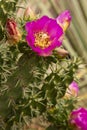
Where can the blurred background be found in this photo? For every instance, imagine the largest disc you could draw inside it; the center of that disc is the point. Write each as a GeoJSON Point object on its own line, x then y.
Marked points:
{"type": "Point", "coordinates": [75, 40]}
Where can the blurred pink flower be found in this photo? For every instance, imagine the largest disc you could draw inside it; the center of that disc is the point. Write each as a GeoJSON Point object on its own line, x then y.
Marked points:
{"type": "Point", "coordinates": [78, 119]}
{"type": "Point", "coordinates": [72, 90]}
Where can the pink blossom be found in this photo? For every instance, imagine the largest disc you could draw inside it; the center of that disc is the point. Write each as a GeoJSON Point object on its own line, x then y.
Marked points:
{"type": "Point", "coordinates": [43, 35]}
{"type": "Point", "coordinates": [78, 119]}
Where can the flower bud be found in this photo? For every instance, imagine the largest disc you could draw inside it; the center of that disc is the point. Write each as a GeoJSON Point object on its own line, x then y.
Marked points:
{"type": "Point", "coordinates": [78, 119]}
{"type": "Point", "coordinates": [62, 52]}
{"type": "Point", "coordinates": [64, 19]}
{"type": "Point", "coordinates": [13, 33]}
{"type": "Point", "coordinates": [29, 13]}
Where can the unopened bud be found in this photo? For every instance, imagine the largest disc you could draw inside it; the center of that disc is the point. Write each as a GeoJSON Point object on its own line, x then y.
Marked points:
{"type": "Point", "coordinates": [13, 33]}
{"type": "Point", "coordinates": [64, 19]}
{"type": "Point", "coordinates": [29, 13]}
{"type": "Point", "coordinates": [62, 52]}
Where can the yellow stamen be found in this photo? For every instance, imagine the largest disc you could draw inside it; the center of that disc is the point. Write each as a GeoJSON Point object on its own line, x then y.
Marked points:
{"type": "Point", "coordinates": [42, 40]}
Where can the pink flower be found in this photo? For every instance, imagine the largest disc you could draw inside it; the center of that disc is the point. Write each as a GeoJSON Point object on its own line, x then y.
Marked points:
{"type": "Point", "coordinates": [78, 119]}
{"type": "Point", "coordinates": [64, 19]}
{"type": "Point", "coordinates": [72, 90]}
{"type": "Point", "coordinates": [43, 35]}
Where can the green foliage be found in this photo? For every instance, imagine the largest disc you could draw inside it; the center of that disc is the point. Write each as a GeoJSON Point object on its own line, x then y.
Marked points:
{"type": "Point", "coordinates": [32, 85]}
{"type": "Point", "coordinates": [8, 61]}
{"type": "Point", "coordinates": [59, 115]}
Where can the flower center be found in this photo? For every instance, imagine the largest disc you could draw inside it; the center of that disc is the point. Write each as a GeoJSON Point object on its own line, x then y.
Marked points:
{"type": "Point", "coordinates": [42, 40]}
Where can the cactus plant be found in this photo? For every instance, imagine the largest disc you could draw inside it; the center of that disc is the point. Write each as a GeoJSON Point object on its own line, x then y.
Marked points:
{"type": "Point", "coordinates": [33, 85]}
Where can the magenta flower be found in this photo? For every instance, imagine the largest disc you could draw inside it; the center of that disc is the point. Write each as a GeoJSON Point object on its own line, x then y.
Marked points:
{"type": "Point", "coordinates": [78, 119]}
{"type": "Point", "coordinates": [72, 90]}
{"type": "Point", "coordinates": [64, 19]}
{"type": "Point", "coordinates": [43, 35]}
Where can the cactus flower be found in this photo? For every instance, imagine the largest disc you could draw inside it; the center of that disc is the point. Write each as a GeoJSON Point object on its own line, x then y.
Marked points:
{"type": "Point", "coordinates": [78, 119]}
{"type": "Point", "coordinates": [13, 32]}
{"type": "Point", "coordinates": [72, 90]}
{"type": "Point", "coordinates": [43, 35]}
{"type": "Point", "coordinates": [64, 19]}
